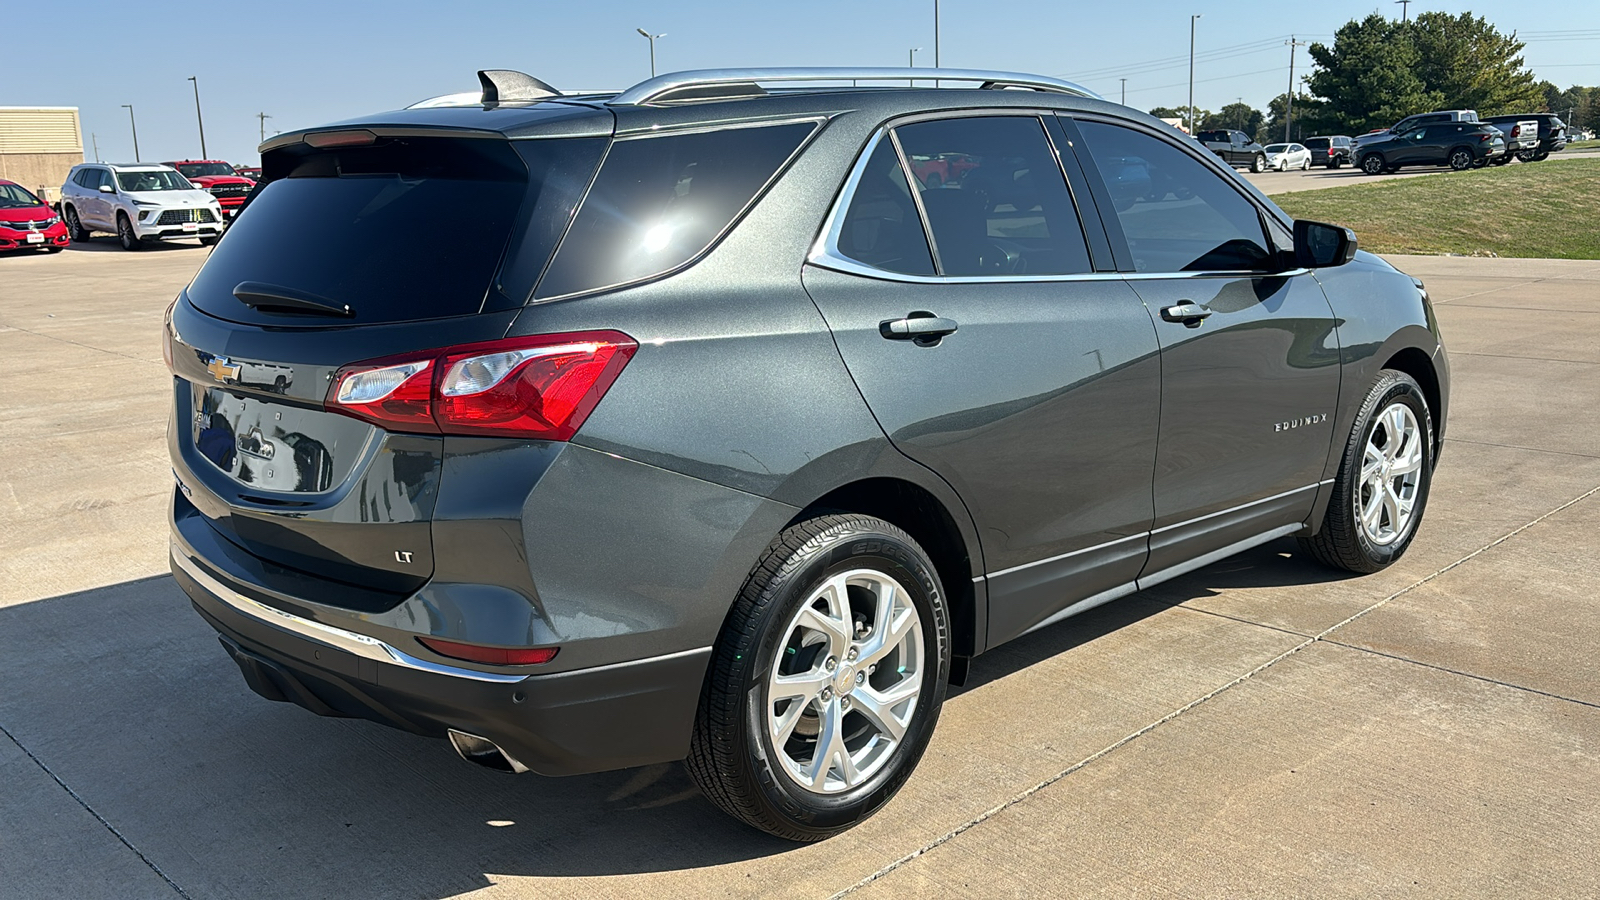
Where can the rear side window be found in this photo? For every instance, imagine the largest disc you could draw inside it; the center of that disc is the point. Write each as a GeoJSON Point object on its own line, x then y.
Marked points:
{"type": "Point", "coordinates": [995, 198]}
{"type": "Point", "coordinates": [405, 229]}
{"type": "Point", "coordinates": [881, 228]}
{"type": "Point", "coordinates": [659, 202]}
{"type": "Point", "coordinates": [1318, 143]}
{"type": "Point", "coordinates": [1176, 214]}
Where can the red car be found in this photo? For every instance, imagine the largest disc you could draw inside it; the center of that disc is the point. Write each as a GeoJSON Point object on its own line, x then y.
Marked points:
{"type": "Point", "coordinates": [26, 222]}
{"type": "Point", "coordinates": [218, 179]}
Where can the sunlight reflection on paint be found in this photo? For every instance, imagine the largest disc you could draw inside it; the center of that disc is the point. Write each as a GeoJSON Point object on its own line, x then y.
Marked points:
{"type": "Point", "coordinates": [499, 823]}
{"type": "Point", "coordinates": [657, 238]}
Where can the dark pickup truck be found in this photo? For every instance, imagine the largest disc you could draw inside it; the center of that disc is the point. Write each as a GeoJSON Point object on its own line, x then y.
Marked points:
{"type": "Point", "coordinates": [1236, 149]}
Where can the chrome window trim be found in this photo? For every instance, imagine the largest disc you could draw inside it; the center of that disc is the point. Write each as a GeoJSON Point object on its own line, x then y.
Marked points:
{"type": "Point", "coordinates": [652, 131]}
{"type": "Point", "coordinates": [825, 251]}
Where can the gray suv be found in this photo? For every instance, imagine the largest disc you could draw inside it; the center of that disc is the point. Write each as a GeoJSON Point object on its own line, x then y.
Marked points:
{"type": "Point", "coordinates": [729, 417]}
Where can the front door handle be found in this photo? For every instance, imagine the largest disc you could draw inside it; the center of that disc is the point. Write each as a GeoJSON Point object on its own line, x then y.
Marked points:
{"type": "Point", "coordinates": [1188, 312]}
{"type": "Point", "coordinates": [924, 328]}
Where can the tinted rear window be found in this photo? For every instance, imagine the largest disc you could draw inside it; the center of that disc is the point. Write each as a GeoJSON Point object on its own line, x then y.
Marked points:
{"type": "Point", "coordinates": [409, 228]}
{"type": "Point", "coordinates": [1214, 136]}
{"type": "Point", "coordinates": [1318, 143]}
{"type": "Point", "coordinates": [659, 202]}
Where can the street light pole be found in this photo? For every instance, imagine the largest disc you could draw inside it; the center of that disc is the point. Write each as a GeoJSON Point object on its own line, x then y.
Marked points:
{"type": "Point", "coordinates": [198, 118]}
{"type": "Point", "coordinates": [1192, 20]}
{"type": "Point", "coordinates": [652, 39]}
{"type": "Point", "coordinates": [936, 34]}
{"type": "Point", "coordinates": [135, 126]}
{"type": "Point", "coordinates": [1124, 92]}
{"type": "Point", "coordinates": [911, 63]}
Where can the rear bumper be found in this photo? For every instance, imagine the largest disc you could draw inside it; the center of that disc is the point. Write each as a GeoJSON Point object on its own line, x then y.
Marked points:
{"type": "Point", "coordinates": [586, 720]}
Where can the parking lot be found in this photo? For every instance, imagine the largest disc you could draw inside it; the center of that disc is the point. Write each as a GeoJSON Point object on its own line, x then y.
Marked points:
{"type": "Point", "coordinates": [1263, 727]}
{"type": "Point", "coordinates": [1318, 178]}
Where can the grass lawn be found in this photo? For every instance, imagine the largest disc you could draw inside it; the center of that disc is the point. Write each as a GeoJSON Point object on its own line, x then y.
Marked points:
{"type": "Point", "coordinates": [1545, 209]}
{"type": "Point", "coordinates": [1583, 145]}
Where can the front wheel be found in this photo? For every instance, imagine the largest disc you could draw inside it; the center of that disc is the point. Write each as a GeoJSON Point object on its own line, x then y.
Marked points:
{"type": "Point", "coordinates": [1383, 480]}
{"type": "Point", "coordinates": [1258, 164]}
{"type": "Point", "coordinates": [1372, 164]}
{"type": "Point", "coordinates": [826, 681]}
{"type": "Point", "coordinates": [126, 235]}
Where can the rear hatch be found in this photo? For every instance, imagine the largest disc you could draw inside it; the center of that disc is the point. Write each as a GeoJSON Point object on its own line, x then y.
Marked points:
{"type": "Point", "coordinates": [359, 244]}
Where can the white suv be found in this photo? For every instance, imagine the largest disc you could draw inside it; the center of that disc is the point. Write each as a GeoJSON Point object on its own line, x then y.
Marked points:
{"type": "Point", "coordinates": [139, 202]}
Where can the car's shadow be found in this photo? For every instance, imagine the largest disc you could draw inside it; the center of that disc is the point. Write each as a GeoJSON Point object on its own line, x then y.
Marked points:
{"type": "Point", "coordinates": [125, 695]}
{"type": "Point", "coordinates": [109, 244]}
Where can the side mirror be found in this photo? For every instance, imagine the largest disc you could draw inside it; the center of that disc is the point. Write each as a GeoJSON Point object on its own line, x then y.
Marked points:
{"type": "Point", "coordinates": [107, 189]}
{"type": "Point", "coordinates": [1319, 246]}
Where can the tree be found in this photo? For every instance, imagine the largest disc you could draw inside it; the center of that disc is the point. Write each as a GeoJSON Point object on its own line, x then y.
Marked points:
{"type": "Point", "coordinates": [1167, 112]}
{"type": "Point", "coordinates": [1238, 116]}
{"type": "Point", "coordinates": [1471, 65]}
{"type": "Point", "coordinates": [1308, 115]}
{"type": "Point", "coordinates": [1368, 78]}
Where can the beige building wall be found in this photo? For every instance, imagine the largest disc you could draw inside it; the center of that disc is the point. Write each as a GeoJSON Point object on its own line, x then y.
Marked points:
{"type": "Point", "coordinates": [38, 146]}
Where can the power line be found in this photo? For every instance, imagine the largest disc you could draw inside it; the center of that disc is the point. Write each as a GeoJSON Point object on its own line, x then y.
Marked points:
{"type": "Point", "coordinates": [1183, 60]}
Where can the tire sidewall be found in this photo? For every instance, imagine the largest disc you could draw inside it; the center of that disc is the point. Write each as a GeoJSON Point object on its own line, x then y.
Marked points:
{"type": "Point", "coordinates": [1372, 164]}
{"type": "Point", "coordinates": [826, 556]}
{"type": "Point", "coordinates": [1406, 390]}
{"type": "Point", "coordinates": [1456, 155]}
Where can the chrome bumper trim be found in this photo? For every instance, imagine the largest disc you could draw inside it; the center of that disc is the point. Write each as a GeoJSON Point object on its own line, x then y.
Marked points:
{"type": "Point", "coordinates": [328, 635]}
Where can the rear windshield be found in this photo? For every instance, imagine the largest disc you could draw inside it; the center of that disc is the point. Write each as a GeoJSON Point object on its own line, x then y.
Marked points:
{"type": "Point", "coordinates": [659, 202]}
{"type": "Point", "coordinates": [1318, 143]}
{"type": "Point", "coordinates": [409, 228]}
{"type": "Point", "coordinates": [1214, 136]}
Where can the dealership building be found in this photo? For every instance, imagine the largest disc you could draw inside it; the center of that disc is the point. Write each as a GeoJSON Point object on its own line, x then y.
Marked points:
{"type": "Point", "coordinates": [39, 145]}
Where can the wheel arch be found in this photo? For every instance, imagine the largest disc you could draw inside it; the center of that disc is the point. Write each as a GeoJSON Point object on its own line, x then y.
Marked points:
{"type": "Point", "coordinates": [937, 528]}
{"type": "Point", "coordinates": [1416, 362]}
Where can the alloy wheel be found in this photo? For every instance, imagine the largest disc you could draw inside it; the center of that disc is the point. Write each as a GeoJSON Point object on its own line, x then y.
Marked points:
{"type": "Point", "coordinates": [1391, 471]}
{"type": "Point", "coordinates": [847, 681]}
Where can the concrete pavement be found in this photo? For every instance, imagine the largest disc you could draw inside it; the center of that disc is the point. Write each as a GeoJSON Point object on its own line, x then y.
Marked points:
{"type": "Point", "coordinates": [1261, 727]}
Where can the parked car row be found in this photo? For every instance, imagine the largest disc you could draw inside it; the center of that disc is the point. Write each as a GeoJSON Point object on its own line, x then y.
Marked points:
{"type": "Point", "coordinates": [1458, 138]}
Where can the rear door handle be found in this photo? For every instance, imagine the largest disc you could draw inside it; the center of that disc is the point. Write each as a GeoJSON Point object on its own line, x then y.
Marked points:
{"type": "Point", "coordinates": [922, 327]}
{"type": "Point", "coordinates": [1188, 312]}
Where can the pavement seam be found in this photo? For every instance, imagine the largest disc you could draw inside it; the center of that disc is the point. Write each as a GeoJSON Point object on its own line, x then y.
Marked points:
{"type": "Point", "coordinates": [1435, 666]}
{"type": "Point", "coordinates": [51, 337]}
{"type": "Point", "coordinates": [1104, 751]}
{"type": "Point", "coordinates": [99, 818]}
{"type": "Point", "coordinates": [1578, 362]}
{"type": "Point", "coordinates": [1451, 440]}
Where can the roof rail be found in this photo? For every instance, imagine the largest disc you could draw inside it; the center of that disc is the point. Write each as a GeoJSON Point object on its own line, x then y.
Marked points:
{"type": "Point", "coordinates": [694, 84]}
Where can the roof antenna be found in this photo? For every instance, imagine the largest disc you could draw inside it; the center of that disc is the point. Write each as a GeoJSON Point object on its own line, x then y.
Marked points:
{"type": "Point", "coordinates": [509, 86]}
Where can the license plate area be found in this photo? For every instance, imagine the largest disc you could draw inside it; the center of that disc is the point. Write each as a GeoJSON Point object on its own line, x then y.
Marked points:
{"type": "Point", "coordinates": [271, 446]}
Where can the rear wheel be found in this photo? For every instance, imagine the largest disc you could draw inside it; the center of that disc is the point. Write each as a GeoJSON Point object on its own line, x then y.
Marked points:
{"type": "Point", "coordinates": [1384, 475]}
{"type": "Point", "coordinates": [1258, 164]}
{"type": "Point", "coordinates": [75, 230]}
{"type": "Point", "coordinates": [125, 233]}
{"type": "Point", "coordinates": [1372, 164]}
{"type": "Point", "coordinates": [1461, 158]}
{"type": "Point", "coordinates": [826, 681]}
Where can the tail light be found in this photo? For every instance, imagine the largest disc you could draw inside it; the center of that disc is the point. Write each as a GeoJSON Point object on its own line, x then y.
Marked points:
{"type": "Point", "coordinates": [494, 656]}
{"type": "Point", "coordinates": [541, 387]}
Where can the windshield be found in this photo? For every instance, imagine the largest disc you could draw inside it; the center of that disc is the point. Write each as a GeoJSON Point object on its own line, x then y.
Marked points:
{"type": "Point", "coordinates": [203, 170]}
{"type": "Point", "coordinates": [160, 180]}
{"type": "Point", "coordinates": [14, 197]}
{"type": "Point", "coordinates": [1277, 148]}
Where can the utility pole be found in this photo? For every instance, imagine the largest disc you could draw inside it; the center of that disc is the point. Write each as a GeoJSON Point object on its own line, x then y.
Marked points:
{"type": "Point", "coordinates": [1288, 100]}
{"type": "Point", "coordinates": [1124, 92]}
{"type": "Point", "coordinates": [263, 117]}
{"type": "Point", "coordinates": [135, 126]}
{"type": "Point", "coordinates": [1405, 9]}
{"type": "Point", "coordinates": [1191, 72]}
{"type": "Point", "coordinates": [652, 39]}
{"type": "Point", "coordinates": [936, 39]}
{"type": "Point", "coordinates": [911, 63]}
{"type": "Point", "coordinates": [95, 139]}
{"type": "Point", "coordinates": [1241, 113]}
{"type": "Point", "coordinates": [197, 116]}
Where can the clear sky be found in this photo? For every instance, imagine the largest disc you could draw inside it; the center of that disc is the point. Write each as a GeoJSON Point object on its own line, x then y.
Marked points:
{"type": "Point", "coordinates": [307, 62]}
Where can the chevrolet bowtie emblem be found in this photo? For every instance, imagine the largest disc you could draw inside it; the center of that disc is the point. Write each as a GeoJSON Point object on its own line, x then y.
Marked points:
{"type": "Point", "coordinates": [222, 370]}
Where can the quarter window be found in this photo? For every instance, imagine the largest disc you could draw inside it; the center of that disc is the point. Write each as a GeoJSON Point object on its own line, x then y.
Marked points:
{"type": "Point", "coordinates": [994, 197]}
{"type": "Point", "coordinates": [1177, 215]}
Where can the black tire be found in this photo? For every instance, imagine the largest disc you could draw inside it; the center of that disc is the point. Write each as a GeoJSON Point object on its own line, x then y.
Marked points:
{"type": "Point", "coordinates": [732, 756]}
{"type": "Point", "coordinates": [1258, 164]}
{"type": "Point", "coordinates": [1461, 159]}
{"type": "Point", "coordinates": [1541, 155]}
{"type": "Point", "coordinates": [75, 230]}
{"type": "Point", "coordinates": [210, 240]}
{"type": "Point", "coordinates": [1342, 542]}
{"type": "Point", "coordinates": [126, 236]}
{"type": "Point", "coordinates": [1372, 164]}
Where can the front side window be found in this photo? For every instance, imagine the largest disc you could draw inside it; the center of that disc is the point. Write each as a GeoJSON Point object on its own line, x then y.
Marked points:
{"type": "Point", "coordinates": [1177, 215]}
{"type": "Point", "coordinates": [994, 196]}
{"type": "Point", "coordinates": [163, 180]}
{"type": "Point", "coordinates": [659, 202]}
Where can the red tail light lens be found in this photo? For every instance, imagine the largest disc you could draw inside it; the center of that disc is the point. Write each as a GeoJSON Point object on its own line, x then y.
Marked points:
{"type": "Point", "coordinates": [541, 387]}
{"type": "Point", "coordinates": [494, 656]}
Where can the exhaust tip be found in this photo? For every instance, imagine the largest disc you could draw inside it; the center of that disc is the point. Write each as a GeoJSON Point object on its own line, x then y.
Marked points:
{"type": "Point", "coordinates": [484, 752]}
